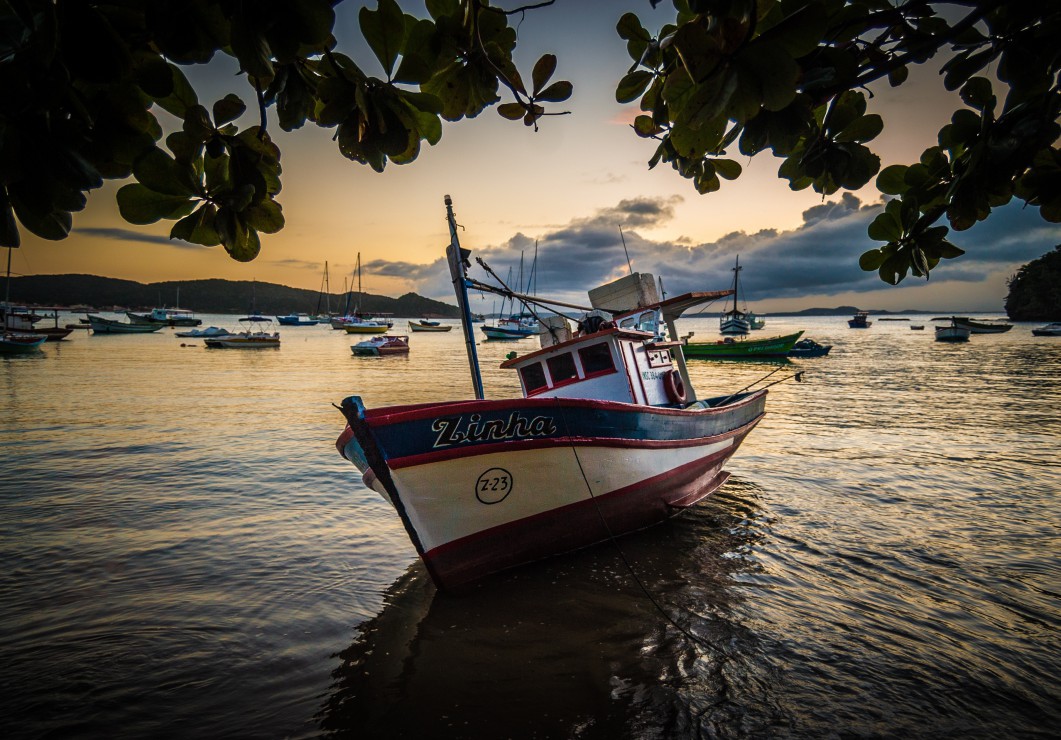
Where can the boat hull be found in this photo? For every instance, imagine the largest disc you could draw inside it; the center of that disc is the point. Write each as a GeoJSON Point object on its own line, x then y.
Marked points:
{"type": "Point", "coordinates": [500, 332]}
{"type": "Point", "coordinates": [235, 342]}
{"type": "Point", "coordinates": [982, 327]}
{"type": "Point", "coordinates": [952, 334]}
{"type": "Point", "coordinates": [416, 326]}
{"type": "Point", "coordinates": [773, 347]}
{"type": "Point", "coordinates": [482, 486]}
{"type": "Point", "coordinates": [109, 326]}
{"type": "Point", "coordinates": [17, 343]}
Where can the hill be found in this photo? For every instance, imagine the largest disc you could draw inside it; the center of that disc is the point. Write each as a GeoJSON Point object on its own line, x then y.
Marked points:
{"type": "Point", "coordinates": [1035, 291]}
{"type": "Point", "coordinates": [208, 296]}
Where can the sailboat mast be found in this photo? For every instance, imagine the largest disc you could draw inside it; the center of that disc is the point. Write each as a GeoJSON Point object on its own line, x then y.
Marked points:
{"type": "Point", "coordinates": [458, 265]}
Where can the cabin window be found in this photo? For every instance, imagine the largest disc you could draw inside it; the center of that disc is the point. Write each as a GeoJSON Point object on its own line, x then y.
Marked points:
{"type": "Point", "coordinates": [647, 322]}
{"type": "Point", "coordinates": [562, 367]}
{"type": "Point", "coordinates": [533, 377]}
{"type": "Point", "coordinates": [596, 358]}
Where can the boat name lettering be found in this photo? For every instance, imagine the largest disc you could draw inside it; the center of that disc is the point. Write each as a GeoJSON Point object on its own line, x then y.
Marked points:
{"type": "Point", "coordinates": [454, 431]}
{"type": "Point", "coordinates": [653, 374]}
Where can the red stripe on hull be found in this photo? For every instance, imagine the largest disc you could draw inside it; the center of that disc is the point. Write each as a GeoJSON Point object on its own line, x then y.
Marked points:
{"type": "Point", "coordinates": [635, 507]}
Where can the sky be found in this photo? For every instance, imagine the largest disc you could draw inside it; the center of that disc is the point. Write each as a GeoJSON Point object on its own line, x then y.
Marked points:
{"type": "Point", "coordinates": [568, 188]}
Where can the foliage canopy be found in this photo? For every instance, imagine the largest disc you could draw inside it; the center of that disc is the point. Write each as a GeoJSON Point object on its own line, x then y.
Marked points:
{"type": "Point", "coordinates": [83, 80]}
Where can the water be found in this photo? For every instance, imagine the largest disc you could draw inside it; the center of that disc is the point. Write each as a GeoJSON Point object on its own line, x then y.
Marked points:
{"type": "Point", "coordinates": [186, 555]}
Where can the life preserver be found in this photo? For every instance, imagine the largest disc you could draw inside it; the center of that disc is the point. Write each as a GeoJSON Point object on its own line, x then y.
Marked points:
{"type": "Point", "coordinates": [674, 386]}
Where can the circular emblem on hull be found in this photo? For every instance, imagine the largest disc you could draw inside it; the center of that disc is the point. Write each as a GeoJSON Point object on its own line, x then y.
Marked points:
{"type": "Point", "coordinates": [493, 486]}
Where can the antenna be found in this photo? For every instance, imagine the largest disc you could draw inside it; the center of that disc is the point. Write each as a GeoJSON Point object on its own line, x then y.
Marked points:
{"type": "Point", "coordinates": [630, 266]}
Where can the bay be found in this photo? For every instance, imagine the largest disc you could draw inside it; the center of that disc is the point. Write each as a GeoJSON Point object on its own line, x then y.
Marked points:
{"type": "Point", "coordinates": [186, 555]}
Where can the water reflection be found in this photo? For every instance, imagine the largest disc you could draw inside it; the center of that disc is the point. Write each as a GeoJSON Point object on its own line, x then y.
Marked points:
{"type": "Point", "coordinates": [571, 647]}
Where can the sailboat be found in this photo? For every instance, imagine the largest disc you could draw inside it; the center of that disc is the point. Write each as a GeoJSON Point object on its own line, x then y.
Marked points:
{"type": "Point", "coordinates": [324, 295]}
{"type": "Point", "coordinates": [15, 342]}
{"type": "Point", "coordinates": [518, 325]}
{"type": "Point", "coordinates": [734, 322]}
{"type": "Point", "coordinates": [356, 323]}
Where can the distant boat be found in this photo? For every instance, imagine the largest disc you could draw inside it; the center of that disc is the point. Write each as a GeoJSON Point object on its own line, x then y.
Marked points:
{"type": "Point", "coordinates": [892, 318]}
{"type": "Point", "coordinates": [982, 327]}
{"type": "Point", "coordinates": [730, 347]}
{"type": "Point", "coordinates": [809, 348]}
{"type": "Point", "coordinates": [100, 325]}
{"type": "Point", "coordinates": [514, 327]}
{"type": "Point", "coordinates": [1050, 330]}
{"type": "Point", "coordinates": [257, 334]}
{"type": "Point", "coordinates": [18, 343]}
{"type": "Point", "coordinates": [755, 321]}
{"type": "Point", "coordinates": [860, 320]}
{"type": "Point", "coordinates": [210, 331]}
{"type": "Point", "coordinates": [734, 322]}
{"type": "Point", "coordinates": [428, 325]}
{"type": "Point", "coordinates": [952, 333]}
{"type": "Point", "coordinates": [383, 345]}
{"type": "Point", "coordinates": [917, 327]}
{"type": "Point", "coordinates": [297, 319]}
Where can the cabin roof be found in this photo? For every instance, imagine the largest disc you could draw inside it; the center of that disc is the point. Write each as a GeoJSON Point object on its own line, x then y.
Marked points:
{"type": "Point", "coordinates": [582, 339]}
{"type": "Point", "coordinates": [673, 308]}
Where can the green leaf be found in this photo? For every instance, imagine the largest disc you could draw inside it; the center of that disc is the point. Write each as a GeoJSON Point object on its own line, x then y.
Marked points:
{"type": "Point", "coordinates": [727, 168]}
{"type": "Point", "coordinates": [419, 58]}
{"type": "Point", "coordinates": [251, 49]}
{"type": "Point", "coordinates": [977, 93]}
{"type": "Point", "coordinates": [229, 108]}
{"type": "Point", "coordinates": [865, 128]}
{"type": "Point", "coordinates": [182, 95]}
{"type": "Point", "coordinates": [158, 171]}
{"type": "Point", "coordinates": [885, 228]}
{"type": "Point", "coordinates": [384, 30]}
{"type": "Point", "coordinates": [197, 124]}
{"type": "Point", "coordinates": [198, 227]}
{"type": "Point", "coordinates": [511, 111]}
{"type": "Point", "coordinates": [892, 180]}
{"type": "Point", "coordinates": [556, 92]}
{"type": "Point", "coordinates": [543, 70]}
{"type": "Point", "coordinates": [632, 86]}
{"type": "Point", "coordinates": [629, 28]}
{"type": "Point", "coordinates": [646, 127]}
{"type": "Point", "coordinates": [265, 217]}
{"type": "Point", "coordinates": [139, 205]}
{"type": "Point", "coordinates": [871, 260]}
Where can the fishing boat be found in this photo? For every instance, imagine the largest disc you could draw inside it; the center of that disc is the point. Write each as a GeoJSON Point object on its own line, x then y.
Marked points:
{"type": "Point", "coordinates": [982, 327]}
{"type": "Point", "coordinates": [954, 332]}
{"type": "Point", "coordinates": [860, 320]}
{"type": "Point", "coordinates": [608, 437]}
{"type": "Point", "coordinates": [101, 325]}
{"type": "Point", "coordinates": [755, 321]}
{"type": "Point", "coordinates": [428, 325]}
{"type": "Point", "coordinates": [1049, 330]}
{"type": "Point", "coordinates": [731, 347]}
{"type": "Point", "coordinates": [383, 346]}
{"type": "Point", "coordinates": [54, 333]}
{"type": "Point", "coordinates": [16, 323]}
{"type": "Point", "coordinates": [734, 322]}
{"type": "Point", "coordinates": [297, 319]}
{"type": "Point", "coordinates": [257, 334]}
{"type": "Point", "coordinates": [809, 348]}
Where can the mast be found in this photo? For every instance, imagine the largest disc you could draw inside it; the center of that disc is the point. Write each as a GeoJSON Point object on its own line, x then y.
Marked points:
{"type": "Point", "coordinates": [7, 293]}
{"type": "Point", "coordinates": [736, 279]}
{"type": "Point", "coordinates": [458, 271]}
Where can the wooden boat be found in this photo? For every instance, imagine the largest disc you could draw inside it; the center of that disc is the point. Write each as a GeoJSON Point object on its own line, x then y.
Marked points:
{"type": "Point", "coordinates": [809, 348]}
{"type": "Point", "coordinates": [731, 347]}
{"type": "Point", "coordinates": [100, 325]}
{"type": "Point", "coordinates": [734, 322]}
{"type": "Point", "coordinates": [917, 327]}
{"type": "Point", "coordinates": [981, 327]}
{"type": "Point", "coordinates": [428, 325]}
{"type": "Point", "coordinates": [952, 333]}
{"type": "Point", "coordinates": [257, 334]}
{"type": "Point", "coordinates": [297, 319]}
{"type": "Point", "coordinates": [860, 320]}
{"type": "Point", "coordinates": [383, 345]}
{"type": "Point", "coordinates": [19, 343]}
{"type": "Point", "coordinates": [1049, 330]}
{"type": "Point", "coordinates": [608, 437]}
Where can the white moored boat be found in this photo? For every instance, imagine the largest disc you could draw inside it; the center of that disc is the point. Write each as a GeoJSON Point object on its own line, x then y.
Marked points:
{"type": "Point", "coordinates": [608, 437]}
{"type": "Point", "coordinates": [257, 334]}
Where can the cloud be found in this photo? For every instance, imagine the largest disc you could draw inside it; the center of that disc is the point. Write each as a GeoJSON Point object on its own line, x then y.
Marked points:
{"type": "Point", "coordinates": [128, 235]}
{"type": "Point", "coordinates": [818, 258]}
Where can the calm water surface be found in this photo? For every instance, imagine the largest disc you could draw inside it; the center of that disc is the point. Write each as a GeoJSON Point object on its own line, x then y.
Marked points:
{"type": "Point", "coordinates": [186, 555]}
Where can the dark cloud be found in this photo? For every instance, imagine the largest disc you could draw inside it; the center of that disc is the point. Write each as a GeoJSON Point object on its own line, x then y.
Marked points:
{"type": "Point", "coordinates": [128, 235]}
{"type": "Point", "coordinates": [818, 258]}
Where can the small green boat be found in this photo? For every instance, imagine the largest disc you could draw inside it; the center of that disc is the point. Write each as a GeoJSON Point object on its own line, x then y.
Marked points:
{"type": "Point", "coordinates": [733, 347]}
